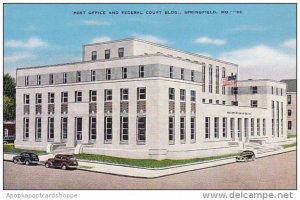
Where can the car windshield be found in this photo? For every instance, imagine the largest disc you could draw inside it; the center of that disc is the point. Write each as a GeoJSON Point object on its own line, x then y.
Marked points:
{"type": "Point", "coordinates": [33, 155]}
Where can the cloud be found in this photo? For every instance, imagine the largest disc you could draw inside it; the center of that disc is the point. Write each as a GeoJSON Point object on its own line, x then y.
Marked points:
{"type": "Point", "coordinates": [95, 22]}
{"type": "Point", "coordinates": [150, 38]}
{"type": "Point", "coordinates": [291, 43]}
{"type": "Point", "coordinates": [262, 61]}
{"type": "Point", "coordinates": [208, 40]}
{"type": "Point", "coordinates": [31, 43]}
{"type": "Point", "coordinates": [19, 56]}
{"type": "Point", "coordinates": [101, 39]}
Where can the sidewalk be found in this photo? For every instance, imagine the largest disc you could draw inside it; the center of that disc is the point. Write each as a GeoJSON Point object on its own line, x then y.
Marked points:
{"type": "Point", "coordinates": [131, 171]}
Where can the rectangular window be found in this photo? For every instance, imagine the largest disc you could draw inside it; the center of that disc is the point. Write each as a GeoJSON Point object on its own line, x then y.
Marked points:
{"type": "Point", "coordinates": [272, 90]}
{"type": "Point", "coordinates": [78, 96]}
{"type": "Point", "coordinates": [107, 95]}
{"type": "Point", "coordinates": [223, 76]}
{"type": "Point", "coordinates": [50, 128]}
{"type": "Point", "coordinates": [280, 91]}
{"type": "Point", "coordinates": [207, 127]}
{"type": "Point", "coordinates": [182, 95]}
{"type": "Point", "coordinates": [171, 72]}
{"type": "Point", "coordinates": [246, 125]}
{"type": "Point", "coordinates": [64, 97]}
{"type": "Point", "coordinates": [182, 74]}
{"type": "Point", "coordinates": [124, 72]}
{"type": "Point", "coordinates": [171, 130]}
{"type": "Point", "coordinates": [210, 79]}
{"type": "Point", "coordinates": [51, 80]}
{"type": "Point", "coordinates": [254, 103]}
{"type": "Point", "coordinates": [232, 128]}
{"type": "Point", "coordinates": [38, 79]}
{"type": "Point", "coordinates": [203, 78]}
{"type": "Point", "coordinates": [258, 127]}
{"type": "Point", "coordinates": [210, 101]}
{"type": "Point", "coordinates": [141, 93]}
{"type": "Point", "coordinates": [107, 54]}
{"type": "Point", "coordinates": [124, 94]}
{"type": "Point", "coordinates": [93, 95]}
{"type": "Point", "coordinates": [203, 100]}
{"type": "Point", "coordinates": [93, 128]}
{"type": "Point", "coordinates": [216, 127]}
{"type": "Point", "coordinates": [78, 76]}
{"type": "Point", "coordinates": [182, 129]}
{"type": "Point", "coordinates": [234, 90]}
{"type": "Point", "coordinates": [223, 102]}
{"type": "Point", "coordinates": [38, 128]}
{"type": "Point", "coordinates": [289, 112]}
{"type": "Point", "coordinates": [171, 93]}
{"type": "Point", "coordinates": [193, 95]}
{"type": "Point", "coordinates": [94, 55]}
{"type": "Point", "coordinates": [124, 134]}
{"type": "Point", "coordinates": [273, 132]}
{"type": "Point", "coordinates": [78, 126]}
{"type": "Point", "coordinates": [26, 128]}
{"type": "Point", "coordinates": [121, 52]}
{"type": "Point", "coordinates": [264, 127]}
{"type": "Point", "coordinates": [93, 75]}
{"type": "Point", "coordinates": [289, 99]}
{"type": "Point", "coordinates": [107, 129]}
{"type": "Point", "coordinates": [108, 74]}
{"type": "Point", "coordinates": [217, 101]}
{"type": "Point", "coordinates": [217, 80]}
{"type": "Point", "coordinates": [51, 96]}
{"type": "Point", "coordinates": [141, 129]}
{"type": "Point", "coordinates": [26, 99]}
{"type": "Point", "coordinates": [38, 98]}
{"type": "Point", "coordinates": [224, 127]}
{"type": "Point", "coordinates": [253, 89]}
{"type": "Point", "coordinates": [289, 125]}
{"type": "Point", "coordinates": [276, 91]}
{"type": "Point", "coordinates": [141, 71]}
{"type": "Point", "coordinates": [26, 80]}
{"type": "Point", "coordinates": [252, 126]}
{"type": "Point", "coordinates": [64, 128]}
{"type": "Point", "coordinates": [65, 77]}
{"type": "Point", "coordinates": [192, 75]}
{"type": "Point", "coordinates": [193, 129]}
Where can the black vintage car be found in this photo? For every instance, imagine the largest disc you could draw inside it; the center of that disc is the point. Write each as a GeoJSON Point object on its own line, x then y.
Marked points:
{"type": "Point", "coordinates": [26, 158]}
{"type": "Point", "coordinates": [62, 161]}
{"type": "Point", "coordinates": [246, 156]}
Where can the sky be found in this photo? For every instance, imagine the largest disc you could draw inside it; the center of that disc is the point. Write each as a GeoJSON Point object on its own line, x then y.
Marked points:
{"type": "Point", "coordinates": [260, 38]}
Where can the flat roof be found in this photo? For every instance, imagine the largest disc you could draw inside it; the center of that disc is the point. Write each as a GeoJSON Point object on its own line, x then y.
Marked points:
{"type": "Point", "coordinates": [255, 80]}
{"type": "Point", "coordinates": [291, 85]}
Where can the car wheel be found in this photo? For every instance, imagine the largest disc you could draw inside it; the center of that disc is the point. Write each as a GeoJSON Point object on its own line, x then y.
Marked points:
{"type": "Point", "coordinates": [47, 165]}
{"type": "Point", "coordinates": [27, 162]}
{"type": "Point", "coordinates": [246, 159]}
{"type": "Point", "coordinates": [15, 161]}
{"type": "Point", "coordinates": [64, 167]}
{"type": "Point", "coordinates": [253, 157]}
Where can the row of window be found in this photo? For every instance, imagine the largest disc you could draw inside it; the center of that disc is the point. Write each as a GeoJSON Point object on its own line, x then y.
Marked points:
{"type": "Point", "coordinates": [210, 79]}
{"type": "Point", "coordinates": [277, 118]}
{"type": "Point", "coordinates": [107, 54]}
{"type": "Point", "coordinates": [254, 90]}
{"type": "Point", "coordinates": [182, 94]}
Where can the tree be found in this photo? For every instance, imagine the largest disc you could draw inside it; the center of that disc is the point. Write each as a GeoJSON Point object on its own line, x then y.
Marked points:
{"type": "Point", "coordinates": [9, 108]}
{"type": "Point", "coordinates": [9, 99]}
{"type": "Point", "coordinates": [9, 86]}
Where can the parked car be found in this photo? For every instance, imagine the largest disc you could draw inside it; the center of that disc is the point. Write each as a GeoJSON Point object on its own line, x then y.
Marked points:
{"type": "Point", "coordinates": [26, 158]}
{"type": "Point", "coordinates": [246, 156]}
{"type": "Point", "coordinates": [62, 161]}
{"type": "Point", "coordinates": [8, 139]}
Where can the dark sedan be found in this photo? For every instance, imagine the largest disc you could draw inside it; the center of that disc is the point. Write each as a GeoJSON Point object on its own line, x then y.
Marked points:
{"type": "Point", "coordinates": [246, 156]}
{"type": "Point", "coordinates": [26, 158]}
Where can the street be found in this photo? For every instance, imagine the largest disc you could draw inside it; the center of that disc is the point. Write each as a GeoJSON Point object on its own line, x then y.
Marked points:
{"type": "Point", "coordinates": [274, 172]}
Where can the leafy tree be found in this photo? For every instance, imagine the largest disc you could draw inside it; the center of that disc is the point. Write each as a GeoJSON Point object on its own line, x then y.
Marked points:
{"type": "Point", "coordinates": [9, 99]}
{"type": "Point", "coordinates": [9, 86]}
{"type": "Point", "coordinates": [9, 108]}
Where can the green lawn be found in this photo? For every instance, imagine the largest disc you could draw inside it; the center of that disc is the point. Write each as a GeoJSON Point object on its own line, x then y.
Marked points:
{"type": "Point", "coordinates": [289, 145]}
{"type": "Point", "coordinates": [149, 163]}
{"type": "Point", "coordinates": [292, 135]}
{"type": "Point", "coordinates": [10, 148]}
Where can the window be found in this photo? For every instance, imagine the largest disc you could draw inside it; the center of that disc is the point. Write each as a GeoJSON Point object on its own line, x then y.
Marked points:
{"type": "Point", "coordinates": [93, 128]}
{"type": "Point", "coordinates": [193, 129]}
{"type": "Point", "coordinates": [124, 129]}
{"type": "Point", "coordinates": [26, 128]}
{"type": "Point", "coordinates": [223, 76]}
{"type": "Point", "coordinates": [107, 95]}
{"type": "Point", "coordinates": [124, 94]}
{"type": "Point", "coordinates": [253, 89]}
{"type": "Point", "coordinates": [203, 78]}
{"type": "Point", "coordinates": [234, 90]}
{"type": "Point", "coordinates": [78, 76]}
{"type": "Point", "coordinates": [26, 99]}
{"type": "Point", "coordinates": [252, 126]}
{"type": "Point", "coordinates": [38, 79]}
{"type": "Point", "coordinates": [51, 96]}
{"type": "Point", "coordinates": [171, 71]}
{"type": "Point", "coordinates": [192, 75]}
{"type": "Point", "coordinates": [65, 78]}
{"type": "Point", "coordinates": [64, 127]}
{"type": "Point", "coordinates": [121, 52]}
{"type": "Point", "coordinates": [217, 80]}
{"type": "Point", "coordinates": [289, 125]}
{"type": "Point", "coordinates": [182, 129]}
{"type": "Point", "coordinates": [223, 102]}
{"type": "Point", "coordinates": [107, 54]}
{"type": "Point", "coordinates": [272, 90]}
{"type": "Point", "coordinates": [51, 80]}
{"type": "Point", "coordinates": [64, 97]}
{"type": "Point", "coordinates": [171, 93]}
{"type": "Point", "coordinates": [182, 95]}
{"type": "Point", "coordinates": [141, 71]}
{"type": "Point", "coordinates": [182, 74]}
{"type": "Point", "coordinates": [26, 80]}
{"type": "Point", "coordinates": [38, 128]}
{"type": "Point", "coordinates": [50, 128]}
{"type": "Point", "coordinates": [78, 128]}
{"type": "Point", "coordinates": [78, 96]}
{"type": "Point", "coordinates": [203, 100]}
{"type": "Point", "coordinates": [38, 98]}
{"type": "Point", "coordinates": [210, 100]}
{"type": "Point", "coordinates": [171, 130]}
{"type": "Point", "coordinates": [141, 129]}
{"type": "Point", "coordinates": [224, 127]}
{"type": "Point", "coordinates": [258, 127]}
{"type": "Point", "coordinates": [107, 129]}
{"type": "Point", "coordinates": [234, 103]}
{"type": "Point", "coordinates": [93, 95]}
{"type": "Point", "coordinates": [289, 112]}
{"type": "Point", "coordinates": [210, 79]}
{"type": "Point", "coordinates": [273, 132]}
{"type": "Point", "coordinates": [93, 75]}
{"type": "Point", "coordinates": [193, 95]}
{"type": "Point", "coordinates": [276, 91]}
{"type": "Point", "coordinates": [94, 55]}
{"type": "Point", "coordinates": [280, 91]}
{"type": "Point", "coordinates": [216, 127]}
{"type": "Point", "coordinates": [108, 74]}
{"type": "Point", "coordinates": [207, 127]}
{"type": "Point", "coordinates": [254, 103]}
{"type": "Point", "coordinates": [124, 72]}
{"type": "Point", "coordinates": [264, 127]}
{"type": "Point", "coordinates": [289, 99]}
{"type": "Point", "coordinates": [232, 128]}
{"type": "Point", "coordinates": [217, 101]}
{"type": "Point", "coordinates": [141, 93]}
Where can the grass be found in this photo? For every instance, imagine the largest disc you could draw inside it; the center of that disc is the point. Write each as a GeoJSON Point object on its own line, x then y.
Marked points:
{"type": "Point", "coordinates": [289, 145]}
{"type": "Point", "coordinates": [291, 135]}
{"type": "Point", "coordinates": [10, 148]}
{"type": "Point", "coordinates": [86, 167]}
{"type": "Point", "coordinates": [149, 163]}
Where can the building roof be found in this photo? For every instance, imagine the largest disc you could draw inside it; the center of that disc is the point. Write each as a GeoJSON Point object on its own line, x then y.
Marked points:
{"type": "Point", "coordinates": [291, 85]}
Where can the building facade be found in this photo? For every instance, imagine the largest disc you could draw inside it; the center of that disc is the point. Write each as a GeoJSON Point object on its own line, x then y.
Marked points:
{"type": "Point", "coordinates": [133, 98]}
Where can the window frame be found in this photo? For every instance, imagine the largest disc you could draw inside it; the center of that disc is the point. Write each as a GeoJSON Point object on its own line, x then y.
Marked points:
{"type": "Point", "coordinates": [193, 95]}
{"type": "Point", "coordinates": [78, 98]}
{"type": "Point", "coordinates": [141, 71]}
{"type": "Point", "coordinates": [93, 96]}
{"type": "Point", "coordinates": [108, 73]}
{"type": "Point", "coordinates": [107, 54]}
{"type": "Point", "coordinates": [124, 129]}
{"type": "Point", "coordinates": [182, 95]}
{"type": "Point", "coordinates": [38, 98]}
{"type": "Point", "coordinates": [51, 97]}
{"type": "Point", "coordinates": [122, 94]}
{"type": "Point", "coordinates": [141, 131]}
{"type": "Point", "coordinates": [121, 52]}
{"type": "Point", "coordinates": [140, 94]}
{"type": "Point", "coordinates": [107, 95]}
{"type": "Point", "coordinates": [124, 72]}
{"type": "Point", "coordinates": [94, 55]}
{"type": "Point", "coordinates": [64, 97]}
{"type": "Point", "coordinates": [93, 75]}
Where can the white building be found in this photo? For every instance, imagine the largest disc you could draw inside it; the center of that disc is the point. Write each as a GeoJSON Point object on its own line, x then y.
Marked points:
{"type": "Point", "coordinates": [133, 98]}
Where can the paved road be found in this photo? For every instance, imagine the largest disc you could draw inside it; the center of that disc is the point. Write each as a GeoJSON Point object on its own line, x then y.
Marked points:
{"type": "Point", "coordinates": [274, 172]}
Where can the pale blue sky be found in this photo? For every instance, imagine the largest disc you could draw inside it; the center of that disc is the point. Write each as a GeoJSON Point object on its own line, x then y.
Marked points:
{"type": "Point", "coordinates": [262, 39]}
